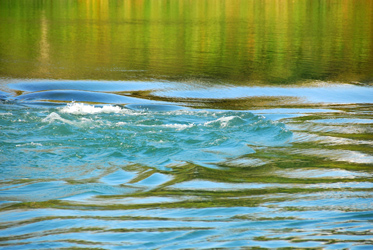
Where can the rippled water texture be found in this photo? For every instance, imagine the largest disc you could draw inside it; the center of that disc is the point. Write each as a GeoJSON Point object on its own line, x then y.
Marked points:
{"type": "Point", "coordinates": [216, 41]}
{"type": "Point", "coordinates": [150, 124]}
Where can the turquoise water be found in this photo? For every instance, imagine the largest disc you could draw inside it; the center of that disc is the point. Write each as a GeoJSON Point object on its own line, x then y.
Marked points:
{"type": "Point", "coordinates": [85, 167]}
{"type": "Point", "coordinates": [191, 124]}
{"type": "Point", "coordinates": [140, 134]}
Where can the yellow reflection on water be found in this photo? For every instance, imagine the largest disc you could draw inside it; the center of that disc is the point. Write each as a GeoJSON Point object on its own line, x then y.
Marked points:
{"type": "Point", "coordinates": [217, 40]}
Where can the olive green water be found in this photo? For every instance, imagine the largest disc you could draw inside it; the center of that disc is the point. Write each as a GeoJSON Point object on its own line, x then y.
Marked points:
{"type": "Point", "coordinates": [244, 42]}
{"type": "Point", "coordinates": [186, 124]}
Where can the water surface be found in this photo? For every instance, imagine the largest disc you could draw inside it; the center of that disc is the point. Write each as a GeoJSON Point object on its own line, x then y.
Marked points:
{"type": "Point", "coordinates": [186, 124]}
{"type": "Point", "coordinates": [216, 41]}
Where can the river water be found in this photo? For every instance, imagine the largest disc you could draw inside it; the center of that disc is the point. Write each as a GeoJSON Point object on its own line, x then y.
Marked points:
{"type": "Point", "coordinates": [186, 124]}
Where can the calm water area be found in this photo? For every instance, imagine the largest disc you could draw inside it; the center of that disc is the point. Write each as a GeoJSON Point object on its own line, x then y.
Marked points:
{"type": "Point", "coordinates": [191, 124]}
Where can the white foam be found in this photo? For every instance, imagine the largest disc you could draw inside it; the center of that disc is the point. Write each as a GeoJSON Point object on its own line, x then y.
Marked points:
{"type": "Point", "coordinates": [121, 123]}
{"type": "Point", "coordinates": [223, 121]}
{"type": "Point", "coordinates": [30, 144]}
{"type": "Point", "coordinates": [52, 117]}
{"type": "Point", "coordinates": [178, 126]}
{"type": "Point", "coordinates": [83, 109]}
{"type": "Point", "coordinates": [55, 117]}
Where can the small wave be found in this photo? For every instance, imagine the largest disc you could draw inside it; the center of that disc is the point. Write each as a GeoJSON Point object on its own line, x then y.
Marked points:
{"type": "Point", "coordinates": [55, 117]}
{"type": "Point", "coordinates": [103, 86]}
{"type": "Point", "coordinates": [226, 121]}
{"type": "Point", "coordinates": [29, 144]}
{"type": "Point", "coordinates": [83, 122]}
{"type": "Point", "coordinates": [149, 137]}
{"type": "Point", "coordinates": [244, 162]}
{"type": "Point", "coordinates": [58, 189]}
{"type": "Point", "coordinates": [329, 140]}
{"type": "Point", "coordinates": [337, 155]}
{"type": "Point", "coordinates": [154, 107]}
{"type": "Point", "coordinates": [80, 96]}
{"type": "Point", "coordinates": [83, 109]}
{"type": "Point", "coordinates": [322, 173]}
{"type": "Point", "coordinates": [179, 126]}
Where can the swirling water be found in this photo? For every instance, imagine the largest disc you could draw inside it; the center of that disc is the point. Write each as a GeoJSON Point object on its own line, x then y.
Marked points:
{"type": "Point", "coordinates": [196, 124]}
{"type": "Point", "coordinates": [156, 174]}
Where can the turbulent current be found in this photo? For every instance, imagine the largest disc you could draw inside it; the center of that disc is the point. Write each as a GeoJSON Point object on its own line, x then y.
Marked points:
{"type": "Point", "coordinates": [70, 141]}
{"type": "Point", "coordinates": [171, 170]}
{"type": "Point", "coordinates": [186, 124]}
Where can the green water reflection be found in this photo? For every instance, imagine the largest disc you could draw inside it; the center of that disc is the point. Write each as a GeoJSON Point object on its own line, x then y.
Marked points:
{"type": "Point", "coordinates": [125, 172]}
{"type": "Point", "coordinates": [241, 42]}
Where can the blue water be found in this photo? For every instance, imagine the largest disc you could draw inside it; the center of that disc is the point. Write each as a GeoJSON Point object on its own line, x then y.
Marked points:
{"type": "Point", "coordinates": [103, 165]}
{"type": "Point", "coordinates": [135, 135]}
{"type": "Point", "coordinates": [198, 124]}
